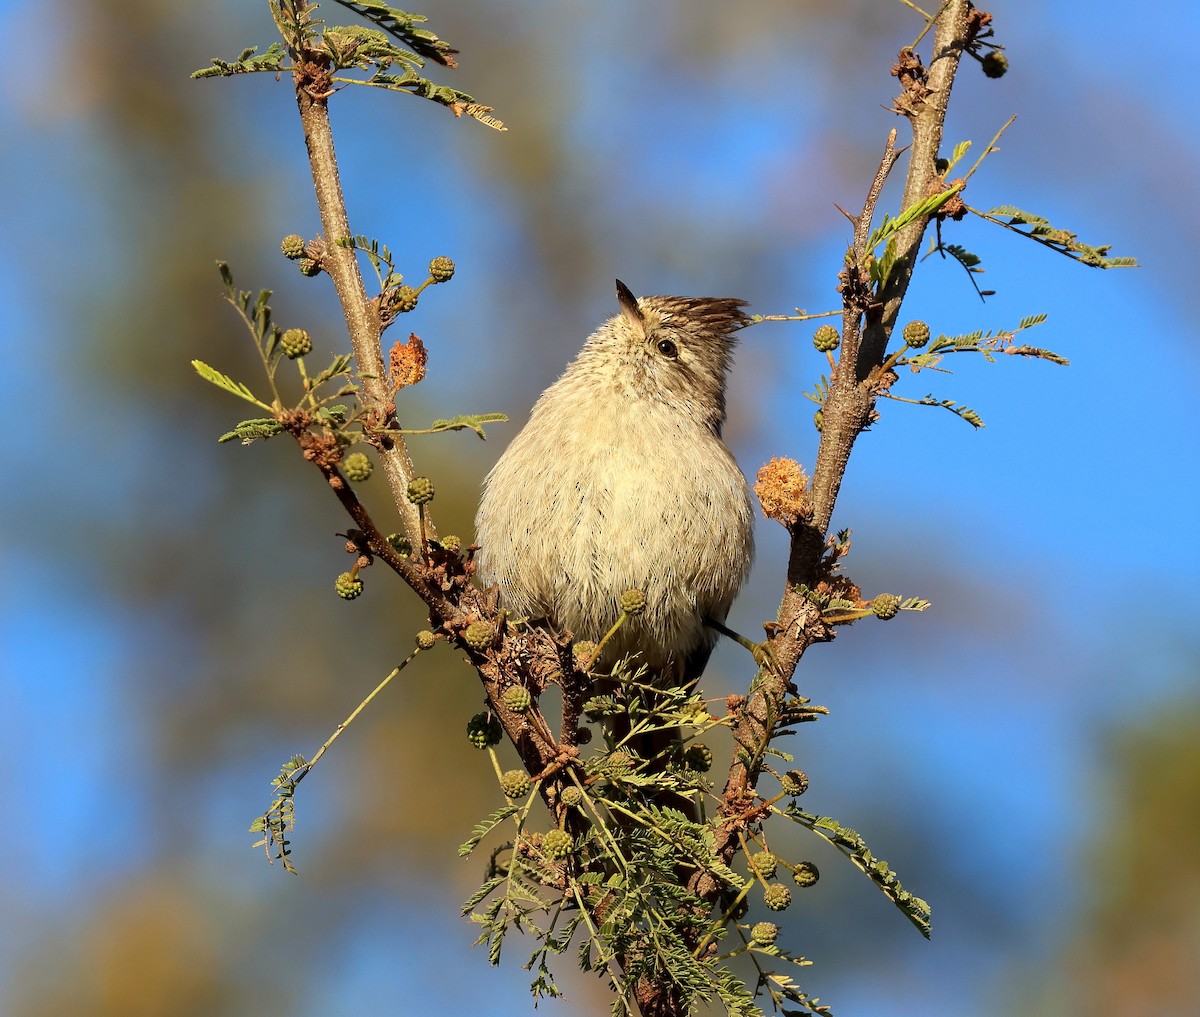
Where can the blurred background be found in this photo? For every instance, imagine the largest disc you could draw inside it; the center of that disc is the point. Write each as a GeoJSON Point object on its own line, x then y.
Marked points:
{"type": "Point", "coordinates": [1026, 753]}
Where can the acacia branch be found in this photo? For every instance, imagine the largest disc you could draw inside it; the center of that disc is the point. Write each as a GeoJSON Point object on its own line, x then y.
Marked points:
{"type": "Point", "coordinates": [452, 601]}
{"type": "Point", "coordinates": [869, 315]}
{"type": "Point", "coordinates": [312, 83]}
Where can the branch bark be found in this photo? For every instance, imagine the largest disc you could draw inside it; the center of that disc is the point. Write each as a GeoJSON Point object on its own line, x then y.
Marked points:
{"type": "Point", "coordinates": [867, 322]}
{"type": "Point", "coordinates": [362, 317]}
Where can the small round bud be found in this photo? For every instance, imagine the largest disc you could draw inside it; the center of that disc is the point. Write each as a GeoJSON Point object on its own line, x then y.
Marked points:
{"type": "Point", "coordinates": [916, 334]}
{"type": "Point", "coordinates": [572, 797]}
{"type": "Point", "coordinates": [794, 782]}
{"type": "Point", "coordinates": [295, 342]}
{"type": "Point", "coordinates": [583, 651]}
{"type": "Point", "coordinates": [765, 933]}
{"type": "Point", "coordinates": [348, 586]}
{"type": "Point", "coordinates": [425, 640]}
{"type": "Point", "coordinates": [483, 730]}
{"type": "Point", "coordinates": [557, 844]}
{"type": "Point", "coordinates": [357, 467]}
{"type": "Point", "coordinates": [698, 757]}
{"type": "Point", "coordinates": [420, 490]}
{"type": "Point", "coordinates": [515, 783]}
{"type": "Point", "coordinates": [309, 267]}
{"type": "Point", "coordinates": [633, 602]}
{"type": "Point", "coordinates": [451, 543]}
{"type": "Point", "coordinates": [516, 698]}
{"type": "Point", "coordinates": [885, 606]}
{"type": "Point", "coordinates": [764, 863]}
{"type": "Point", "coordinates": [404, 298]}
{"type": "Point", "coordinates": [441, 269]}
{"type": "Point", "coordinates": [619, 761]}
{"type": "Point", "coordinates": [777, 897]}
{"type": "Point", "coordinates": [479, 635]}
{"type": "Point", "coordinates": [995, 64]}
{"type": "Point", "coordinates": [819, 419]}
{"type": "Point", "coordinates": [806, 874]}
{"type": "Point", "coordinates": [400, 544]}
{"type": "Point", "coordinates": [826, 338]}
{"type": "Point", "coordinates": [292, 246]}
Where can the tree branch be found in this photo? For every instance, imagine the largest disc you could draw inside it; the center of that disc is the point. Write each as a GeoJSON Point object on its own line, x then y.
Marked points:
{"type": "Point", "coordinates": [341, 262]}
{"type": "Point", "coordinates": [867, 321]}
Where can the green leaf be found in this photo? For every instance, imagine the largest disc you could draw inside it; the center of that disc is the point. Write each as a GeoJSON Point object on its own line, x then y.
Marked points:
{"type": "Point", "coordinates": [404, 26]}
{"type": "Point", "coordinates": [919, 210]}
{"type": "Point", "coordinates": [236, 388]}
{"type": "Point", "coordinates": [965, 412]}
{"type": "Point", "coordinates": [960, 150]}
{"type": "Point", "coordinates": [849, 843]}
{"type": "Point", "coordinates": [341, 365]}
{"type": "Point", "coordinates": [473, 421]}
{"type": "Point", "coordinates": [1063, 241]}
{"type": "Point", "coordinates": [482, 829]}
{"type": "Point", "coordinates": [246, 63]}
{"type": "Point", "coordinates": [249, 430]}
{"type": "Point", "coordinates": [459, 103]}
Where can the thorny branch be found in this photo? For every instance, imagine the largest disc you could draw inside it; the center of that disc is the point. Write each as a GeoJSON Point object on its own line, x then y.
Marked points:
{"type": "Point", "coordinates": [868, 320]}
{"type": "Point", "coordinates": [443, 584]}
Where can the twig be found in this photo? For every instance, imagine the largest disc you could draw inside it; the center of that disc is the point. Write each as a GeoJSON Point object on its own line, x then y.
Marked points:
{"type": "Point", "coordinates": [341, 262]}
{"type": "Point", "coordinates": [848, 407]}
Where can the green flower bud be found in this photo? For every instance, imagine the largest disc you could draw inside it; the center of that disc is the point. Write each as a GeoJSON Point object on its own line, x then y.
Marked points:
{"type": "Point", "coordinates": [441, 269]}
{"type": "Point", "coordinates": [916, 334]}
{"type": "Point", "coordinates": [400, 544]}
{"type": "Point", "coordinates": [451, 543]}
{"type": "Point", "coordinates": [348, 586]}
{"type": "Point", "coordinates": [292, 247]}
{"type": "Point", "coordinates": [420, 490]}
{"type": "Point", "coordinates": [516, 698]}
{"type": "Point", "coordinates": [479, 635]}
{"type": "Point", "coordinates": [765, 933]}
{"type": "Point", "coordinates": [583, 651]}
{"type": "Point", "coordinates": [826, 338]}
{"type": "Point", "coordinates": [777, 897]}
{"type": "Point", "coordinates": [885, 606]}
{"type": "Point", "coordinates": [483, 730]}
{"type": "Point", "coordinates": [309, 267]}
{"type": "Point", "coordinates": [819, 420]}
{"type": "Point", "coordinates": [794, 782]}
{"type": "Point", "coordinates": [357, 467]}
{"type": "Point", "coordinates": [806, 874]}
{"type": "Point", "coordinates": [425, 640]}
{"type": "Point", "coordinates": [633, 602]}
{"type": "Point", "coordinates": [404, 298]}
{"type": "Point", "coordinates": [515, 783]}
{"type": "Point", "coordinates": [295, 342]}
{"type": "Point", "coordinates": [572, 797]}
{"type": "Point", "coordinates": [557, 844]}
{"type": "Point", "coordinates": [995, 64]}
{"type": "Point", "coordinates": [618, 761]}
{"type": "Point", "coordinates": [764, 863]}
{"type": "Point", "coordinates": [698, 757]}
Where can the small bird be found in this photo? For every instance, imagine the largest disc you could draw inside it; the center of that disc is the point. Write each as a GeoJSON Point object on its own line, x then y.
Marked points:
{"type": "Point", "coordinates": [621, 481]}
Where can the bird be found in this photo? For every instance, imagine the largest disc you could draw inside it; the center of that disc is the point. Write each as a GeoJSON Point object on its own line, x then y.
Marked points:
{"type": "Point", "coordinates": [620, 480]}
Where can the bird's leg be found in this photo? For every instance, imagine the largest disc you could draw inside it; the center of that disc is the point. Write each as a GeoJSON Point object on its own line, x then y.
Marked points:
{"type": "Point", "coordinates": [763, 654]}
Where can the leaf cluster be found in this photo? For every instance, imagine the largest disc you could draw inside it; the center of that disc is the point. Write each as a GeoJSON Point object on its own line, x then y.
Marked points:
{"type": "Point", "coordinates": [280, 818]}
{"type": "Point", "coordinates": [391, 54]}
{"type": "Point", "coordinates": [320, 403]}
{"type": "Point", "coordinates": [642, 894]}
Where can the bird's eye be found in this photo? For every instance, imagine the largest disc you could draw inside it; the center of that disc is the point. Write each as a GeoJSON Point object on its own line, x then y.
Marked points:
{"type": "Point", "coordinates": [668, 348]}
